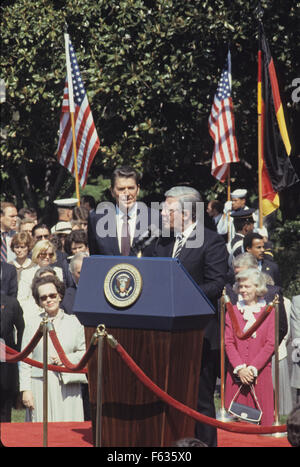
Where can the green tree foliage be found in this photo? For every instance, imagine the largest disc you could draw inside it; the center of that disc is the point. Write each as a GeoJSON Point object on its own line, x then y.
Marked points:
{"type": "Point", "coordinates": [151, 69]}
{"type": "Point", "coordinates": [287, 254]}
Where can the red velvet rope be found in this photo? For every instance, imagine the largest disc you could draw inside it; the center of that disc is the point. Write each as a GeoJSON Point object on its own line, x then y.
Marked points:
{"type": "Point", "coordinates": [236, 328]}
{"type": "Point", "coordinates": [68, 366]}
{"type": "Point", "coordinates": [61, 353]}
{"type": "Point", "coordinates": [17, 356]}
{"type": "Point", "coordinates": [12, 356]}
{"type": "Point", "coordinates": [239, 427]}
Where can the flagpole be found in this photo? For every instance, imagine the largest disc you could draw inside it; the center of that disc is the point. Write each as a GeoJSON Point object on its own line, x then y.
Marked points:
{"type": "Point", "coordinates": [260, 141]}
{"type": "Point", "coordinates": [228, 199]}
{"type": "Point", "coordinates": [72, 111]}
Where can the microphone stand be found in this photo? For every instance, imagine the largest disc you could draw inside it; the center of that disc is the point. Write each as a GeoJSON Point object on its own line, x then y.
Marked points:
{"type": "Point", "coordinates": [142, 243]}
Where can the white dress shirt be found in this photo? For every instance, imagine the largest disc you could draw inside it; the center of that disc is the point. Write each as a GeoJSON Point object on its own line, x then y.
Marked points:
{"type": "Point", "coordinates": [132, 215]}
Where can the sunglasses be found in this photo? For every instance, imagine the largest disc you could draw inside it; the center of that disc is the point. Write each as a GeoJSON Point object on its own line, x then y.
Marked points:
{"type": "Point", "coordinates": [44, 255]}
{"type": "Point", "coordinates": [43, 298]}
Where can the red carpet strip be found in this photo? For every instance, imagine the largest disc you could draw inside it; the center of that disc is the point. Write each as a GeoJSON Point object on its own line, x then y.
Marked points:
{"type": "Point", "coordinates": [72, 434]}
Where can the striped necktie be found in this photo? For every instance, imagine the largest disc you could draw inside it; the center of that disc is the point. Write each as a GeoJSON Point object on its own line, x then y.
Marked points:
{"type": "Point", "coordinates": [125, 237]}
{"type": "Point", "coordinates": [3, 247]}
{"type": "Point", "coordinates": [179, 246]}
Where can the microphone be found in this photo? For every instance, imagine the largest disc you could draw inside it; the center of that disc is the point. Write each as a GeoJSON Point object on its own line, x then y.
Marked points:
{"type": "Point", "coordinates": [145, 239]}
{"type": "Point", "coordinates": [142, 237]}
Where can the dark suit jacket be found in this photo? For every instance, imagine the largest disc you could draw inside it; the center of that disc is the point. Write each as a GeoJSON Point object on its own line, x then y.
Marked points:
{"type": "Point", "coordinates": [208, 266]}
{"type": "Point", "coordinates": [64, 265]}
{"type": "Point", "coordinates": [271, 268]}
{"type": "Point", "coordinates": [68, 300]}
{"type": "Point", "coordinates": [11, 318]}
{"type": "Point", "coordinates": [108, 244]}
{"type": "Point", "coordinates": [9, 279]}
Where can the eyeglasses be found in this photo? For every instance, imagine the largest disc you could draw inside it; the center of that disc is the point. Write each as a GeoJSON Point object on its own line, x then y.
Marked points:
{"type": "Point", "coordinates": [43, 298]}
{"type": "Point", "coordinates": [39, 237]}
{"type": "Point", "coordinates": [169, 210]}
{"type": "Point", "coordinates": [44, 255]}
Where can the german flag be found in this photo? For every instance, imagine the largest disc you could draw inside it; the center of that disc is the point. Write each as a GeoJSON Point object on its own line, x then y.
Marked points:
{"type": "Point", "coordinates": [277, 172]}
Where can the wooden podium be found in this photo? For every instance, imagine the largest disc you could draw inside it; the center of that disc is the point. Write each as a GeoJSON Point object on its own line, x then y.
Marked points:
{"type": "Point", "coordinates": [161, 329]}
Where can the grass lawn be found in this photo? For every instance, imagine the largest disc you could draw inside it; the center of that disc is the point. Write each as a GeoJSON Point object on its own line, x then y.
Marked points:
{"type": "Point", "coordinates": [18, 416]}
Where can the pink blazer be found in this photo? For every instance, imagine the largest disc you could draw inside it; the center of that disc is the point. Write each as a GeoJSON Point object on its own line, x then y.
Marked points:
{"type": "Point", "coordinates": [252, 351]}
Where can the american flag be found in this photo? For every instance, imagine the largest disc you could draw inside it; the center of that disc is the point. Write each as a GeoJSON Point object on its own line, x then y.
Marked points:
{"type": "Point", "coordinates": [221, 126]}
{"type": "Point", "coordinates": [87, 141]}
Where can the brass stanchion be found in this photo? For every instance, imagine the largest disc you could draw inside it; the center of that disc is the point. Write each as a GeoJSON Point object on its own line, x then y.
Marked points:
{"type": "Point", "coordinates": [222, 413]}
{"type": "Point", "coordinates": [101, 333]}
{"type": "Point", "coordinates": [276, 370]}
{"type": "Point", "coordinates": [45, 381]}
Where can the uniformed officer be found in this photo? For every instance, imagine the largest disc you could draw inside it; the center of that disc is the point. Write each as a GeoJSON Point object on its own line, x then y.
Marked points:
{"type": "Point", "coordinates": [237, 202]}
{"type": "Point", "coordinates": [243, 222]}
{"type": "Point", "coordinates": [65, 208]}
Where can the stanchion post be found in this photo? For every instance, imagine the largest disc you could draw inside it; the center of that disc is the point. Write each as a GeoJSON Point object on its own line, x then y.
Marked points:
{"type": "Point", "coordinates": [45, 381]}
{"type": "Point", "coordinates": [222, 414]}
{"type": "Point", "coordinates": [276, 369]}
{"type": "Point", "coordinates": [101, 334]}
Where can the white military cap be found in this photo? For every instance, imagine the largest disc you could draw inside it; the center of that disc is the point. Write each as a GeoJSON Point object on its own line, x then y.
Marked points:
{"type": "Point", "coordinates": [62, 227]}
{"type": "Point", "coordinates": [263, 231]}
{"type": "Point", "coordinates": [240, 193]}
{"type": "Point", "coordinates": [68, 203]}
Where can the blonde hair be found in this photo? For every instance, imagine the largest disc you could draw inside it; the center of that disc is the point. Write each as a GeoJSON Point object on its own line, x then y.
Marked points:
{"type": "Point", "coordinates": [256, 277]}
{"type": "Point", "coordinates": [41, 247]}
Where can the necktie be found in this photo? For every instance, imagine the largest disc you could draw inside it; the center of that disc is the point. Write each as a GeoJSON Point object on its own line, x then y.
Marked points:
{"type": "Point", "coordinates": [179, 246]}
{"type": "Point", "coordinates": [125, 237]}
{"type": "Point", "coordinates": [3, 247]}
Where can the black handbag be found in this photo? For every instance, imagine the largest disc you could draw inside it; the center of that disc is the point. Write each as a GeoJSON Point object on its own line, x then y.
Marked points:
{"type": "Point", "coordinates": [243, 412]}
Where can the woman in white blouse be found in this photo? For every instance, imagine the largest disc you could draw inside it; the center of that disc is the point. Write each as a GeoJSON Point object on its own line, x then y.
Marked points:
{"type": "Point", "coordinates": [64, 390]}
{"type": "Point", "coordinates": [21, 245]}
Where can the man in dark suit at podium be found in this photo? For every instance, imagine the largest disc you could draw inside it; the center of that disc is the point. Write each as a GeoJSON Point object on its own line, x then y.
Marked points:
{"type": "Point", "coordinates": [118, 229]}
{"type": "Point", "coordinates": [206, 261]}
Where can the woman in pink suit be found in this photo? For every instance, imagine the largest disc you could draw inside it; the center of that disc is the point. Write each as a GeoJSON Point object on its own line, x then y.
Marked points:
{"type": "Point", "coordinates": [250, 359]}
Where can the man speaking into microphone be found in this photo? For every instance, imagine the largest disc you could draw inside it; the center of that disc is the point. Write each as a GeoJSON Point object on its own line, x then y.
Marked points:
{"type": "Point", "coordinates": [204, 255]}
{"type": "Point", "coordinates": [127, 227]}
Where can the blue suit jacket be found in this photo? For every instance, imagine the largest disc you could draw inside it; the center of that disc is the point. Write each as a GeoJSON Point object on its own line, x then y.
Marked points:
{"type": "Point", "coordinates": [9, 279]}
{"type": "Point", "coordinates": [67, 302]}
{"type": "Point", "coordinates": [271, 268]}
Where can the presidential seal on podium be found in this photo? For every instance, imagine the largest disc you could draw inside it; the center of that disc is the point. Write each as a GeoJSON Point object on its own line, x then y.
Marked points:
{"type": "Point", "coordinates": [123, 285]}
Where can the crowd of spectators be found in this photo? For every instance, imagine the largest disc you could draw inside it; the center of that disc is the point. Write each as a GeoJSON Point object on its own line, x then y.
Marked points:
{"type": "Point", "coordinates": [31, 252]}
